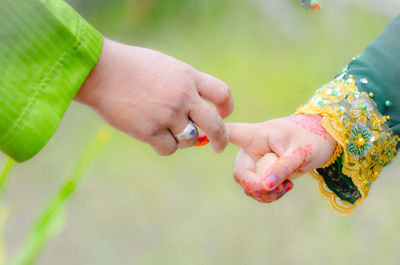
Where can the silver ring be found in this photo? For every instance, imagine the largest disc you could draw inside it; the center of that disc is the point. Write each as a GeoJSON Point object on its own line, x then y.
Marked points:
{"type": "Point", "coordinates": [189, 132]}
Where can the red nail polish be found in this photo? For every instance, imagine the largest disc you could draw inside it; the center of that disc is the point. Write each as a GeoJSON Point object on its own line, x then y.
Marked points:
{"type": "Point", "coordinates": [289, 187]}
{"type": "Point", "coordinates": [270, 182]}
{"type": "Point", "coordinates": [203, 140]}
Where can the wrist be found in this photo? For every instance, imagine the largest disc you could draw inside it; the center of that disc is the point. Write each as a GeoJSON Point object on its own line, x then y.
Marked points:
{"type": "Point", "coordinates": [331, 143]}
{"type": "Point", "coordinates": [90, 91]}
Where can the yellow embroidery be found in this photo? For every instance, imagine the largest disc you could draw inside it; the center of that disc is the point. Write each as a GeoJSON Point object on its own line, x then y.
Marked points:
{"type": "Point", "coordinates": [367, 142]}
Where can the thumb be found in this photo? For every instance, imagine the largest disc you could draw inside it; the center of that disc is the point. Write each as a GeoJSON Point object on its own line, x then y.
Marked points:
{"type": "Point", "coordinates": [240, 134]}
{"type": "Point", "coordinates": [285, 166]}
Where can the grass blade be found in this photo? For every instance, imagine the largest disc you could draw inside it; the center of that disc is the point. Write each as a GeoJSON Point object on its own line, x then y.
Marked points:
{"type": "Point", "coordinates": [51, 219]}
{"type": "Point", "coordinates": [5, 172]}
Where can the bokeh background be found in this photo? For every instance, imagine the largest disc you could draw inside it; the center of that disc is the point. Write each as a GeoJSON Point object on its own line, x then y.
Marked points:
{"type": "Point", "coordinates": [135, 207]}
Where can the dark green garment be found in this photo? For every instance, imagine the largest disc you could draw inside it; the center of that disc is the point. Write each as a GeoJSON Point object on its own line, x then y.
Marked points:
{"type": "Point", "coordinates": [46, 52]}
{"type": "Point", "coordinates": [376, 71]}
{"type": "Point", "coordinates": [380, 66]}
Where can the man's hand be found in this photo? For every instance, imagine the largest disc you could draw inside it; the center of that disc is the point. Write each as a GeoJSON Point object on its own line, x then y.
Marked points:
{"type": "Point", "coordinates": [300, 142]}
{"type": "Point", "coordinates": [152, 96]}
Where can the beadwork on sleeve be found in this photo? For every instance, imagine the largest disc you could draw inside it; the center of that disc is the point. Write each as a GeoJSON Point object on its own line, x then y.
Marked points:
{"type": "Point", "coordinates": [365, 143]}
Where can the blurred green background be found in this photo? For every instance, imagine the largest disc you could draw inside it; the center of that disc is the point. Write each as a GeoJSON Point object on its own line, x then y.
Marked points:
{"type": "Point", "coordinates": [135, 207]}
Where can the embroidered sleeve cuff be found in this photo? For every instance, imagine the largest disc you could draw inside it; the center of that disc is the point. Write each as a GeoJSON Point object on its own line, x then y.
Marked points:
{"type": "Point", "coordinates": [365, 143]}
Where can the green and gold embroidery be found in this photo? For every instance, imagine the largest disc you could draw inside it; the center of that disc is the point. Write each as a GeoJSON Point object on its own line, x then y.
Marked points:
{"type": "Point", "coordinates": [365, 143]}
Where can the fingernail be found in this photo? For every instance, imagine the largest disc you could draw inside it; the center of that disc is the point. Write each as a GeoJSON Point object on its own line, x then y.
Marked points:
{"type": "Point", "coordinates": [270, 182]}
{"type": "Point", "coordinates": [289, 187]}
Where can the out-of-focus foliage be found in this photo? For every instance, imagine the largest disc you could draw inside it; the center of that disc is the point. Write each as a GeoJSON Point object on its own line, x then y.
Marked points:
{"type": "Point", "coordinates": [4, 173]}
{"type": "Point", "coordinates": [138, 208]}
{"type": "Point", "coordinates": [52, 218]}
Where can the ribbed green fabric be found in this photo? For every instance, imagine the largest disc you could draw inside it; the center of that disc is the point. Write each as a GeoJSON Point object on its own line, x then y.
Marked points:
{"type": "Point", "coordinates": [46, 52]}
{"type": "Point", "coordinates": [380, 66]}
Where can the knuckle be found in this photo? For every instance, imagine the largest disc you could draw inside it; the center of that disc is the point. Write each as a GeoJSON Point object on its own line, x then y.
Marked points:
{"type": "Point", "coordinates": [188, 70]}
{"type": "Point", "coordinates": [225, 92]}
{"type": "Point", "coordinates": [219, 133]}
{"type": "Point", "coordinates": [167, 151]}
{"type": "Point", "coordinates": [150, 131]}
{"type": "Point", "coordinates": [182, 95]}
{"type": "Point", "coordinates": [171, 114]}
{"type": "Point", "coordinates": [218, 128]}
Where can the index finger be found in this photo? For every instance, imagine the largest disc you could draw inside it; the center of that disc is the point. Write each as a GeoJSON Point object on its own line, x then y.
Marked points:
{"type": "Point", "coordinates": [207, 118]}
{"type": "Point", "coordinates": [217, 92]}
{"type": "Point", "coordinates": [240, 134]}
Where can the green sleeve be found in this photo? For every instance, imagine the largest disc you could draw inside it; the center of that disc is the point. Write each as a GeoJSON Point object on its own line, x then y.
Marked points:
{"type": "Point", "coordinates": [46, 52]}
{"type": "Point", "coordinates": [379, 69]}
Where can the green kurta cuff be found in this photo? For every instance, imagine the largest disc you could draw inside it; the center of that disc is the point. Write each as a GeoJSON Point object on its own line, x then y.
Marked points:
{"type": "Point", "coordinates": [377, 71]}
{"type": "Point", "coordinates": [361, 110]}
{"type": "Point", "coordinates": [46, 52]}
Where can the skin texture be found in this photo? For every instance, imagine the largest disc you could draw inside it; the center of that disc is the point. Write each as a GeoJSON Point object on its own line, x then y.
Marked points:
{"type": "Point", "coordinates": [151, 97]}
{"type": "Point", "coordinates": [300, 142]}
{"type": "Point", "coordinates": [310, 123]}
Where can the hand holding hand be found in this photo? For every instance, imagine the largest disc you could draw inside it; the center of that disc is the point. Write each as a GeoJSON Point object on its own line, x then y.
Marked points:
{"type": "Point", "coordinates": [300, 143]}
{"type": "Point", "coordinates": [152, 96]}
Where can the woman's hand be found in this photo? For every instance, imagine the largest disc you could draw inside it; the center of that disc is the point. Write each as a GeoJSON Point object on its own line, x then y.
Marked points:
{"type": "Point", "coordinates": [299, 141]}
{"type": "Point", "coordinates": [152, 96]}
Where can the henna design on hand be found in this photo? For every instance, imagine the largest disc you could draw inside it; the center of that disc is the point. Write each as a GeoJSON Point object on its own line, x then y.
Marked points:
{"type": "Point", "coordinates": [275, 183]}
{"type": "Point", "coordinates": [286, 166]}
{"type": "Point", "coordinates": [262, 195]}
{"type": "Point", "coordinates": [312, 123]}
